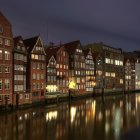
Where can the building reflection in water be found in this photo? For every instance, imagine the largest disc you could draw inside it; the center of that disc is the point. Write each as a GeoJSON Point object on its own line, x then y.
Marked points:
{"type": "Point", "coordinates": [85, 119]}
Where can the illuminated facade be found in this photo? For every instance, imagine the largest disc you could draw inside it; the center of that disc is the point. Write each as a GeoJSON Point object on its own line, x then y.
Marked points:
{"type": "Point", "coordinates": [76, 65]}
{"type": "Point", "coordinates": [113, 70]}
{"type": "Point", "coordinates": [62, 67]}
{"type": "Point", "coordinates": [36, 68]}
{"type": "Point", "coordinates": [129, 64]}
{"type": "Point", "coordinates": [90, 67]}
{"type": "Point", "coordinates": [51, 84]}
{"type": "Point", "coordinates": [137, 74]}
{"type": "Point", "coordinates": [6, 61]}
{"type": "Point", "coordinates": [20, 95]}
{"type": "Point", "coordinates": [98, 71]}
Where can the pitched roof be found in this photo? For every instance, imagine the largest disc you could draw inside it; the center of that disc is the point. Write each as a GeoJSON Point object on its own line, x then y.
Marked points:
{"type": "Point", "coordinates": [4, 19]}
{"type": "Point", "coordinates": [71, 47]}
{"type": "Point", "coordinates": [51, 51]}
{"type": "Point", "coordinates": [30, 43]}
{"type": "Point", "coordinates": [16, 39]}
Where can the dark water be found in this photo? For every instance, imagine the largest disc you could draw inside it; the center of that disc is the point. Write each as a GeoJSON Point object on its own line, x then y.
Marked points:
{"type": "Point", "coordinates": [98, 118]}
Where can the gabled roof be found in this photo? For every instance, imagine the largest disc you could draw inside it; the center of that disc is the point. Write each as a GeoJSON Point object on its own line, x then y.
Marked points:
{"type": "Point", "coordinates": [3, 18]}
{"type": "Point", "coordinates": [71, 47]}
{"type": "Point", "coordinates": [16, 40]}
{"type": "Point", "coordinates": [51, 51]}
{"type": "Point", "coordinates": [30, 43]}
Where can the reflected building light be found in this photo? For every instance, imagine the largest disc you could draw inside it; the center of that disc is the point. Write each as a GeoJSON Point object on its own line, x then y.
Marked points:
{"type": "Point", "coordinates": [100, 116]}
{"type": "Point", "coordinates": [121, 104]}
{"type": "Point", "coordinates": [72, 113]}
{"type": "Point", "coordinates": [107, 127]}
{"type": "Point", "coordinates": [138, 99]}
{"type": "Point", "coordinates": [117, 122]}
{"type": "Point", "coordinates": [20, 118]}
{"type": "Point", "coordinates": [136, 103]}
{"type": "Point", "coordinates": [26, 116]}
{"type": "Point", "coordinates": [34, 114]}
{"type": "Point", "coordinates": [93, 108]}
{"type": "Point", "coordinates": [133, 112]}
{"type": "Point", "coordinates": [52, 115]}
{"type": "Point", "coordinates": [107, 113]}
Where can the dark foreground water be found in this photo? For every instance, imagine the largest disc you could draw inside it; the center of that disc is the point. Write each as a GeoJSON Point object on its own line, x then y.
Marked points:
{"type": "Point", "coordinates": [109, 118]}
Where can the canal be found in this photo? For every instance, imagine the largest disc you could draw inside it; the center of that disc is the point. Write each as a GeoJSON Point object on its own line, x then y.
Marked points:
{"type": "Point", "coordinates": [108, 118]}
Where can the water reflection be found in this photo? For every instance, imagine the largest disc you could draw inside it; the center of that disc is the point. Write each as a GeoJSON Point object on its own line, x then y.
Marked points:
{"type": "Point", "coordinates": [99, 118]}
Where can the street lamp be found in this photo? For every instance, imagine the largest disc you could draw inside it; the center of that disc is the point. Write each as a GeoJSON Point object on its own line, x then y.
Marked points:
{"type": "Point", "coordinates": [71, 86]}
{"type": "Point", "coordinates": [94, 84]}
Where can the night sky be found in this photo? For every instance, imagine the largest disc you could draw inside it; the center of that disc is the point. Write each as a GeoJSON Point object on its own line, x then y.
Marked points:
{"type": "Point", "coordinates": [114, 22]}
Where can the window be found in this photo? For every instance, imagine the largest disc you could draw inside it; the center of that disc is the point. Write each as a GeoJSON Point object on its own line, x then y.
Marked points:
{"type": "Point", "coordinates": [78, 80]}
{"type": "Point", "coordinates": [42, 76]}
{"type": "Point", "coordinates": [7, 83]}
{"type": "Point", "coordinates": [7, 42]}
{"type": "Point", "coordinates": [7, 55]}
{"type": "Point", "coordinates": [33, 56]}
{"type": "Point", "coordinates": [112, 74]}
{"type": "Point", "coordinates": [38, 76]}
{"type": "Point", "coordinates": [0, 84]}
{"type": "Point", "coordinates": [107, 73]}
{"type": "Point", "coordinates": [107, 60]}
{"type": "Point", "coordinates": [7, 69]}
{"type": "Point", "coordinates": [0, 54]}
{"type": "Point", "coordinates": [121, 81]}
{"type": "Point", "coordinates": [34, 76]}
{"type": "Point", "coordinates": [36, 56]}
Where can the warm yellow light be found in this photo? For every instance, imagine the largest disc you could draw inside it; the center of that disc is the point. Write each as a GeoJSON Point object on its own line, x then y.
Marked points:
{"type": "Point", "coordinates": [72, 85]}
{"type": "Point", "coordinates": [94, 84]}
{"type": "Point", "coordinates": [51, 115]}
{"type": "Point", "coordinates": [72, 113]}
{"type": "Point", "coordinates": [51, 87]}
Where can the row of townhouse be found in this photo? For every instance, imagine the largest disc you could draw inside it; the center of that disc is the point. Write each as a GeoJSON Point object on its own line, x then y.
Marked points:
{"type": "Point", "coordinates": [29, 71]}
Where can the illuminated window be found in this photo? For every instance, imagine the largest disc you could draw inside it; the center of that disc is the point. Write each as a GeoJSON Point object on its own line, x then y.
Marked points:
{"type": "Point", "coordinates": [107, 73]}
{"type": "Point", "coordinates": [121, 81]}
{"type": "Point", "coordinates": [107, 60]}
{"type": "Point", "coordinates": [111, 61]}
{"type": "Point", "coordinates": [33, 56]}
{"type": "Point", "coordinates": [7, 55]}
{"type": "Point", "coordinates": [36, 56]}
{"type": "Point", "coordinates": [121, 63]}
{"type": "Point", "coordinates": [78, 80]}
{"type": "Point", "coordinates": [112, 74]}
{"type": "Point", "coordinates": [7, 83]}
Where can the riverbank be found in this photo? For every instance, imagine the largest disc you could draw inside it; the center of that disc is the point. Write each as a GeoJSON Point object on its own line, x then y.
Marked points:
{"type": "Point", "coordinates": [60, 98]}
